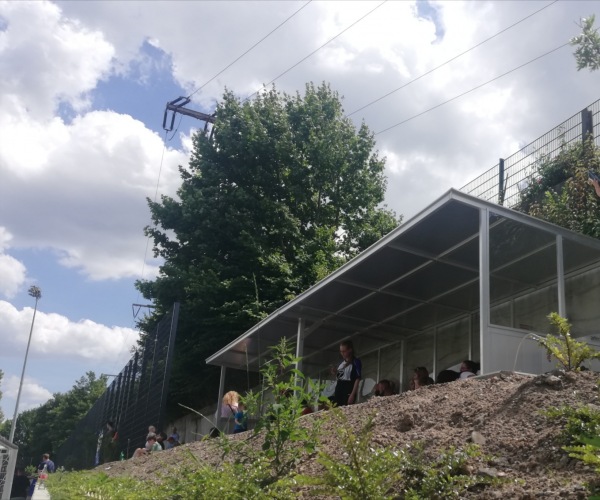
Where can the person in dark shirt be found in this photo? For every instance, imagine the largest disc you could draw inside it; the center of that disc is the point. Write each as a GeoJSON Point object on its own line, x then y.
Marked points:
{"type": "Point", "coordinates": [47, 462]}
{"type": "Point", "coordinates": [20, 486]}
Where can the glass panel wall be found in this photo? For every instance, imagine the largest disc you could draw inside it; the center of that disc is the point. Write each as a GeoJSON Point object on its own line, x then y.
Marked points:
{"type": "Point", "coordinates": [419, 352]}
{"type": "Point", "coordinates": [582, 287]}
{"type": "Point", "coordinates": [452, 345]}
{"type": "Point", "coordinates": [523, 284]}
{"type": "Point", "coordinates": [389, 367]}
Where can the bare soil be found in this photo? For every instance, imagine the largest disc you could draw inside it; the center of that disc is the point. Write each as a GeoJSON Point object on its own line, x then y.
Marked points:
{"type": "Point", "coordinates": [501, 413]}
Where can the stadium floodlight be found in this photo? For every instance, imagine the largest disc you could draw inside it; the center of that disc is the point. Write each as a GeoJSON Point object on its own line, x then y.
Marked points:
{"type": "Point", "coordinates": [36, 293]}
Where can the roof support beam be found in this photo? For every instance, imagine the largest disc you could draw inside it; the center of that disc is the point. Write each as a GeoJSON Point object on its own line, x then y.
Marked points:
{"type": "Point", "coordinates": [484, 288]}
{"type": "Point", "coordinates": [560, 272]}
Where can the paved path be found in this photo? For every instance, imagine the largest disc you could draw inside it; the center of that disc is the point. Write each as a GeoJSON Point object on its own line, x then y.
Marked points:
{"type": "Point", "coordinates": [40, 494]}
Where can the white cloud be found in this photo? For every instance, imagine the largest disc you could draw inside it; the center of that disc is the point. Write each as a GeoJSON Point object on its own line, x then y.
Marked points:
{"type": "Point", "coordinates": [64, 60]}
{"type": "Point", "coordinates": [12, 271]}
{"type": "Point", "coordinates": [61, 339]}
{"type": "Point", "coordinates": [33, 394]}
{"type": "Point", "coordinates": [82, 189]}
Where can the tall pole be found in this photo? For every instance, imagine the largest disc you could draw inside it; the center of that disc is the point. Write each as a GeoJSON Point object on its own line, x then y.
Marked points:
{"type": "Point", "coordinates": [35, 292]}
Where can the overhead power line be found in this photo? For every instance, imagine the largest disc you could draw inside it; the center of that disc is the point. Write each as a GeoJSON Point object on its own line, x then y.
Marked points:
{"type": "Point", "coordinates": [250, 49]}
{"type": "Point", "coordinates": [450, 60]}
{"type": "Point", "coordinates": [317, 49]}
{"type": "Point", "coordinates": [471, 90]}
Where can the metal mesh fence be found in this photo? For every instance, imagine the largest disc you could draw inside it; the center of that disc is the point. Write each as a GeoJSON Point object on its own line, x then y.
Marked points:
{"type": "Point", "coordinates": [134, 400]}
{"type": "Point", "coordinates": [504, 182]}
{"type": "Point", "coordinates": [8, 457]}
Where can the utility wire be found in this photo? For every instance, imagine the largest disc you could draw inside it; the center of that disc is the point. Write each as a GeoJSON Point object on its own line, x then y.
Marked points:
{"type": "Point", "coordinates": [450, 60]}
{"type": "Point", "coordinates": [247, 51]}
{"type": "Point", "coordinates": [471, 90]}
{"type": "Point", "coordinates": [316, 50]}
{"type": "Point", "coordinates": [162, 157]}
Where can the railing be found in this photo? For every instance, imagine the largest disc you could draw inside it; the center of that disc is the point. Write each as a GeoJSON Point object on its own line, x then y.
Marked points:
{"type": "Point", "coordinates": [134, 400]}
{"type": "Point", "coordinates": [503, 183]}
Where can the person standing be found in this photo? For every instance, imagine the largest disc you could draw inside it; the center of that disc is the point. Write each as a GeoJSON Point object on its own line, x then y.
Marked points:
{"type": "Point", "coordinates": [349, 373]}
{"type": "Point", "coordinates": [46, 462]}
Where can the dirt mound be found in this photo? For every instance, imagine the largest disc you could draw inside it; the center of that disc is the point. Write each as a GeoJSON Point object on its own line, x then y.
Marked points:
{"type": "Point", "coordinates": [500, 413]}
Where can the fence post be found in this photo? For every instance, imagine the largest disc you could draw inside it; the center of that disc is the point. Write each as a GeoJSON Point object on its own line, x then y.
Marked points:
{"type": "Point", "coordinates": [501, 187]}
{"type": "Point", "coordinates": [587, 124]}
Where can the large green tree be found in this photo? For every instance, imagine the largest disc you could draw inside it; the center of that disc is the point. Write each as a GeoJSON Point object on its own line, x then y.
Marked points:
{"type": "Point", "coordinates": [559, 191]}
{"type": "Point", "coordinates": [43, 429]}
{"type": "Point", "coordinates": [587, 43]}
{"type": "Point", "coordinates": [282, 192]}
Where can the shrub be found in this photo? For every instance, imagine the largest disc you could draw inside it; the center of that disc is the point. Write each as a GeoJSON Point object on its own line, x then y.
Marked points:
{"type": "Point", "coordinates": [569, 353]}
{"type": "Point", "coordinates": [382, 473]}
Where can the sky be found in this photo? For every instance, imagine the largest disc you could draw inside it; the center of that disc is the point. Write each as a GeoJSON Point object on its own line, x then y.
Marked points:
{"type": "Point", "coordinates": [82, 96]}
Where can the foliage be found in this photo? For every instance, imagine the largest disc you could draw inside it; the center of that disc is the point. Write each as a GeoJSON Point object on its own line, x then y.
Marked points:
{"type": "Point", "coordinates": [587, 53]}
{"type": "Point", "coordinates": [284, 192]}
{"type": "Point", "coordinates": [559, 191]}
{"type": "Point", "coordinates": [43, 429]}
{"type": "Point", "coordinates": [579, 422]}
{"type": "Point", "coordinates": [384, 473]}
{"type": "Point", "coordinates": [90, 484]}
{"type": "Point", "coordinates": [285, 437]}
{"type": "Point", "coordinates": [31, 470]}
{"type": "Point", "coordinates": [569, 353]}
{"type": "Point", "coordinates": [581, 434]}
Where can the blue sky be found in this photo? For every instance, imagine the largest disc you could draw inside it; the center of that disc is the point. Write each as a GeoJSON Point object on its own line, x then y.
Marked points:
{"type": "Point", "coordinates": [83, 93]}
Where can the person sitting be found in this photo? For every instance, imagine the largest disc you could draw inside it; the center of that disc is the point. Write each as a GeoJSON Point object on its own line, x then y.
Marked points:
{"type": "Point", "coordinates": [384, 388]}
{"type": "Point", "coordinates": [151, 445]}
{"type": "Point", "coordinates": [229, 404]}
{"type": "Point", "coordinates": [241, 420]}
{"type": "Point", "coordinates": [469, 369]}
{"type": "Point", "coordinates": [420, 378]}
{"type": "Point", "coordinates": [161, 439]}
{"type": "Point", "coordinates": [306, 408]}
{"type": "Point", "coordinates": [171, 442]}
{"type": "Point", "coordinates": [446, 376]}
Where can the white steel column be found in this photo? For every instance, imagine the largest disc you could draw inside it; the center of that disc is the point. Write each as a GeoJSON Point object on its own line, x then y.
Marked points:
{"type": "Point", "coordinates": [221, 394]}
{"type": "Point", "coordinates": [560, 273]}
{"type": "Point", "coordinates": [402, 353]}
{"type": "Point", "coordinates": [484, 289]}
{"type": "Point", "coordinates": [300, 343]}
{"type": "Point", "coordinates": [434, 365]}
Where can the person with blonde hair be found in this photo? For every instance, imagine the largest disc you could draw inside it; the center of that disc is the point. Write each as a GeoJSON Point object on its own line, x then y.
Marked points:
{"type": "Point", "coordinates": [229, 404]}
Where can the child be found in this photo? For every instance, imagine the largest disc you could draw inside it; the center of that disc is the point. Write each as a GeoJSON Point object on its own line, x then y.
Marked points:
{"type": "Point", "coordinates": [241, 420]}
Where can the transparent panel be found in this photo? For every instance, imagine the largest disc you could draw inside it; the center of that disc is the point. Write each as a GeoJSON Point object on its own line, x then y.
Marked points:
{"type": "Point", "coordinates": [582, 287]}
{"type": "Point", "coordinates": [531, 310]}
{"type": "Point", "coordinates": [452, 344]}
{"type": "Point", "coordinates": [522, 274]}
{"type": "Point", "coordinates": [475, 340]}
{"type": "Point", "coordinates": [582, 294]}
{"type": "Point", "coordinates": [502, 314]}
{"type": "Point", "coordinates": [419, 352]}
{"type": "Point", "coordinates": [369, 374]}
{"type": "Point", "coordinates": [389, 364]}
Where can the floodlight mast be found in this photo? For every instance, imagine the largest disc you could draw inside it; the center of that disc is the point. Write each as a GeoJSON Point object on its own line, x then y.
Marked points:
{"type": "Point", "coordinates": [177, 106]}
{"type": "Point", "coordinates": [36, 293]}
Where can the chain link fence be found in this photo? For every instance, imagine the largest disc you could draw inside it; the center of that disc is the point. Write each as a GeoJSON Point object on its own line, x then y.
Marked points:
{"type": "Point", "coordinates": [504, 182]}
{"type": "Point", "coordinates": [118, 422]}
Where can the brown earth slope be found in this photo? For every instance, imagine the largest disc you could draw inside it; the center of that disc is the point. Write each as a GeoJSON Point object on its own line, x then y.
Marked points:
{"type": "Point", "coordinates": [501, 413]}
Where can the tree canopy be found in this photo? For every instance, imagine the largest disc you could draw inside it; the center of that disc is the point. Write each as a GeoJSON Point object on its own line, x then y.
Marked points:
{"type": "Point", "coordinates": [284, 191]}
{"type": "Point", "coordinates": [587, 43]}
{"type": "Point", "coordinates": [43, 429]}
{"type": "Point", "coordinates": [559, 191]}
